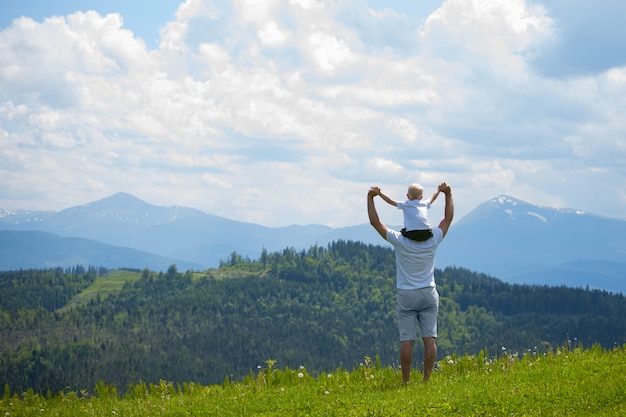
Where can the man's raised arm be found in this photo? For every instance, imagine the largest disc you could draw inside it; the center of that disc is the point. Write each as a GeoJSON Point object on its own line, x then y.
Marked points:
{"type": "Point", "coordinates": [448, 214]}
{"type": "Point", "coordinates": [380, 227]}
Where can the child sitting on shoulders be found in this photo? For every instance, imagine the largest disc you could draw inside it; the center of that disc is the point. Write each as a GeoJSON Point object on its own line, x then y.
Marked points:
{"type": "Point", "coordinates": [416, 224]}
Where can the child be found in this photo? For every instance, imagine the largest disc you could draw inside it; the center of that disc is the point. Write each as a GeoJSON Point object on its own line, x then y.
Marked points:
{"type": "Point", "coordinates": [416, 224]}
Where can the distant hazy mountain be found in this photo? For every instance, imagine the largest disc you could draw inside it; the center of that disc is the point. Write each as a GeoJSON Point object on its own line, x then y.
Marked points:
{"type": "Point", "coordinates": [22, 250]}
{"type": "Point", "coordinates": [174, 232]}
{"type": "Point", "coordinates": [504, 237]}
{"type": "Point", "coordinates": [23, 216]}
{"type": "Point", "coordinates": [522, 243]}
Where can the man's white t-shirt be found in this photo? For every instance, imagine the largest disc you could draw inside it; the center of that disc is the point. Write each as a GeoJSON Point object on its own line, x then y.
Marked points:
{"type": "Point", "coordinates": [415, 261]}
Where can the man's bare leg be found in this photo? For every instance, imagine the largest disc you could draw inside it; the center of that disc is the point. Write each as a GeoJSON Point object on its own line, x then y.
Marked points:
{"type": "Point", "coordinates": [406, 359]}
{"type": "Point", "coordinates": [430, 354]}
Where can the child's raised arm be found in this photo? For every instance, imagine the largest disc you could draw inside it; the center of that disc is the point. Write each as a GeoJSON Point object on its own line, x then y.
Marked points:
{"type": "Point", "coordinates": [434, 197]}
{"type": "Point", "coordinates": [384, 197]}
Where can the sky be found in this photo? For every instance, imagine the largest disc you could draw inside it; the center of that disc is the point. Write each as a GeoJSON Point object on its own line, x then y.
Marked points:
{"type": "Point", "coordinates": [286, 112]}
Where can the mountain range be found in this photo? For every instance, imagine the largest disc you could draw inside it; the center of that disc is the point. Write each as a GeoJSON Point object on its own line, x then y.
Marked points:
{"type": "Point", "coordinates": [504, 237]}
{"type": "Point", "coordinates": [526, 244]}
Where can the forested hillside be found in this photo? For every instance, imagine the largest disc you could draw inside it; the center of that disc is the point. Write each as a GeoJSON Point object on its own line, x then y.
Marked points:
{"type": "Point", "coordinates": [323, 308]}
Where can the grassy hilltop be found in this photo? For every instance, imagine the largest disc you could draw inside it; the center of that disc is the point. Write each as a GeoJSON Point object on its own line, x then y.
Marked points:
{"type": "Point", "coordinates": [558, 383]}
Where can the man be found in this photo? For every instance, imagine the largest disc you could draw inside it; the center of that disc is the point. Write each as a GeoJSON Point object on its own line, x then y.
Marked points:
{"type": "Point", "coordinates": [417, 300]}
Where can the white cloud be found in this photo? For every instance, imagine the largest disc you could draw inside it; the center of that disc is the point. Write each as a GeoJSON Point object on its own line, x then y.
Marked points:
{"type": "Point", "coordinates": [255, 11]}
{"type": "Point", "coordinates": [247, 109]}
{"type": "Point", "coordinates": [328, 51]}
{"type": "Point", "coordinates": [194, 8]}
{"type": "Point", "coordinates": [271, 34]}
{"type": "Point", "coordinates": [492, 30]}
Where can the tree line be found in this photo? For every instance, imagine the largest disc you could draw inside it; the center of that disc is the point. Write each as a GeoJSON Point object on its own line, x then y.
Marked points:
{"type": "Point", "coordinates": [323, 308]}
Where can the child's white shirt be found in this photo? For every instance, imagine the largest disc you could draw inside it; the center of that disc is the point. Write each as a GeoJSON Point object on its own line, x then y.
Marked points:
{"type": "Point", "coordinates": [415, 214]}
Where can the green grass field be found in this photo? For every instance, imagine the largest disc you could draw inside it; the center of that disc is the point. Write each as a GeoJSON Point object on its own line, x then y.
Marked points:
{"type": "Point", "coordinates": [112, 282]}
{"type": "Point", "coordinates": [115, 279]}
{"type": "Point", "coordinates": [577, 382]}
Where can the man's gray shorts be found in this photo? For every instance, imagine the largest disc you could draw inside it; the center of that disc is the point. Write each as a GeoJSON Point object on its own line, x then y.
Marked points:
{"type": "Point", "coordinates": [415, 307]}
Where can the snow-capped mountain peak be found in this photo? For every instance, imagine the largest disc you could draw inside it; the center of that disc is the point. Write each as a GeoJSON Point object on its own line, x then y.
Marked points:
{"type": "Point", "coordinates": [24, 216]}
{"type": "Point", "coordinates": [122, 208]}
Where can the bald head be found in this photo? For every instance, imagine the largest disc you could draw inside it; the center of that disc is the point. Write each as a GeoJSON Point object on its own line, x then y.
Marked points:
{"type": "Point", "coordinates": [415, 192]}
